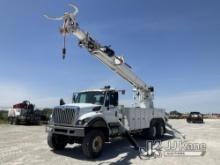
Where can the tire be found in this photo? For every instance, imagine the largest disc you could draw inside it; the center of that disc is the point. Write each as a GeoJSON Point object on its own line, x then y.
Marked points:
{"type": "Point", "coordinates": [150, 133]}
{"type": "Point", "coordinates": [14, 121]}
{"type": "Point", "coordinates": [93, 143]}
{"type": "Point", "coordinates": [160, 129]}
{"type": "Point", "coordinates": [56, 142]}
{"type": "Point", "coordinates": [10, 120]}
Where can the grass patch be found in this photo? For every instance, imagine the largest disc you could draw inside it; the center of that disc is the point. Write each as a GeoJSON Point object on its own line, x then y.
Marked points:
{"type": "Point", "coordinates": [3, 117]}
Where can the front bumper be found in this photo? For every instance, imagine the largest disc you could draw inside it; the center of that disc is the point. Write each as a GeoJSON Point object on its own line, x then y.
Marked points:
{"type": "Point", "coordinates": [63, 130]}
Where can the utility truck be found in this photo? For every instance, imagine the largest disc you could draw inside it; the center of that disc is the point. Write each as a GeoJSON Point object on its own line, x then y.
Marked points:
{"type": "Point", "coordinates": [24, 113]}
{"type": "Point", "coordinates": [95, 116]}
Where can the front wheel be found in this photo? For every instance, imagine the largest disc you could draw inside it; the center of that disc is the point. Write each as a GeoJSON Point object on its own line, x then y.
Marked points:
{"type": "Point", "coordinates": [93, 143]}
{"type": "Point", "coordinates": [10, 120]}
{"type": "Point", "coordinates": [56, 142]}
{"type": "Point", "coordinates": [15, 121]}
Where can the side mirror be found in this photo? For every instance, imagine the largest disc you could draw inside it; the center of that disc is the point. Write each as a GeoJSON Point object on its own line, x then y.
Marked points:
{"type": "Point", "coordinates": [62, 102]}
{"type": "Point", "coordinates": [151, 89]}
{"type": "Point", "coordinates": [74, 97]}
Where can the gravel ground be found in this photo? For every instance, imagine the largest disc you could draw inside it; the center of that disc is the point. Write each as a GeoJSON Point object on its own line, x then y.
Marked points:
{"type": "Point", "coordinates": [27, 145]}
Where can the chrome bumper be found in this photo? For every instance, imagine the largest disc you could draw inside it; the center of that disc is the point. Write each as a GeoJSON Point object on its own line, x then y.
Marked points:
{"type": "Point", "coordinates": [69, 131]}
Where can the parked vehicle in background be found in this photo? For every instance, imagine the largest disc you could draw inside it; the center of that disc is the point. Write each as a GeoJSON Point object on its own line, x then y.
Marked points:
{"type": "Point", "coordinates": [195, 117]}
{"type": "Point", "coordinates": [24, 113]}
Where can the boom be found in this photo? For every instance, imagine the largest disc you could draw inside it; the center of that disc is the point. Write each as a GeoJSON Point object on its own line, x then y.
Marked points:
{"type": "Point", "coordinates": [107, 56]}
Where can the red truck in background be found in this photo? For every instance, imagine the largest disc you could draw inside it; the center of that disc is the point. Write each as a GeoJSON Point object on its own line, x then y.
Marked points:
{"type": "Point", "coordinates": [24, 113]}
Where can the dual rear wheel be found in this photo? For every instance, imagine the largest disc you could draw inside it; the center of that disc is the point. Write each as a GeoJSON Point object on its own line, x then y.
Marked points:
{"type": "Point", "coordinates": [156, 130]}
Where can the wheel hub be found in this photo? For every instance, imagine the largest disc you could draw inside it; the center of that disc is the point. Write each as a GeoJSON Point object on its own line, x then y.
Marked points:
{"type": "Point", "coordinates": [97, 144]}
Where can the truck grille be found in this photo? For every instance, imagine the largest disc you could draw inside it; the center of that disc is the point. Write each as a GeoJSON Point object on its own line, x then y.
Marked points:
{"type": "Point", "coordinates": [63, 116]}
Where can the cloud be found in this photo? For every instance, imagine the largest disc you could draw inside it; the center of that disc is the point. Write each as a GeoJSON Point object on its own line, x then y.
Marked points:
{"type": "Point", "coordinates": [11, 93]}
{"type": "Point", "coordinates": [203, 101]}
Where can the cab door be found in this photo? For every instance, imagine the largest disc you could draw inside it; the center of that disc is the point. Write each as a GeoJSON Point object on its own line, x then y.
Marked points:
{"type": "Point", "coordinates": [111, 107]}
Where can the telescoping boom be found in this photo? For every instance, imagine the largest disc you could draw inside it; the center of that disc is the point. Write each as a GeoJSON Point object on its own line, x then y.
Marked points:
{"type": "Point", "coordinates": [105, 54]}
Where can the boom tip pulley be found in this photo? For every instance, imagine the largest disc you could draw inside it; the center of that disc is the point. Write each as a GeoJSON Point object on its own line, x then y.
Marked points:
{"type": "Point", "coordinates": [64, 30]}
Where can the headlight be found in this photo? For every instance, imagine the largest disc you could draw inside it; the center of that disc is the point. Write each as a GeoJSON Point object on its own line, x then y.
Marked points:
{"type": "Point", "coordinates": [82, 122]}
{"type": "Point", "coordinates": [50, 119]}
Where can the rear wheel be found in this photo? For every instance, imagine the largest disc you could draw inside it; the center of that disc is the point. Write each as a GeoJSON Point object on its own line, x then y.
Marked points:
{"type": "Point", "coordinates": [150, 133]}
{"type": "Point", "coordinates": [57, 142]}
{"type": "Point", "coordinates": [93, 143]}
{"type": "Point", "coordinates": [160, 129]}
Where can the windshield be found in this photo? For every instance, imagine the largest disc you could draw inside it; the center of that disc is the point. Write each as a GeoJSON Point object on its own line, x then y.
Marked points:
{"type": "Point", "coordinates": [90, 97]}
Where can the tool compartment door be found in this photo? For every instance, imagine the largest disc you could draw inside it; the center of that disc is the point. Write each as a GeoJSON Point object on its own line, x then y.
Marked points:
{"type": "Point", "coordinates": [137, 118]}
{"type": "Point", "coordinates": [143, 118]}
{"type": "Point", "coordinates": [130, 115]}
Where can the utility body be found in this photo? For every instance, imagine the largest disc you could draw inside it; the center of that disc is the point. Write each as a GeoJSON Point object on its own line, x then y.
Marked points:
{"type": "Point", "coordinates": [95, 116]}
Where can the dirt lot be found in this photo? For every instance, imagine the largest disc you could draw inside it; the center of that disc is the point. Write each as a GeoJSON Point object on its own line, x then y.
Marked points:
{"type": "Point", "coordinates": [27, 145]}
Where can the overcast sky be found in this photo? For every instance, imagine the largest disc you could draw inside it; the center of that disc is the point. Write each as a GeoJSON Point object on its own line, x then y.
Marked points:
{"type": "Point", "coordinates": [172, 45]}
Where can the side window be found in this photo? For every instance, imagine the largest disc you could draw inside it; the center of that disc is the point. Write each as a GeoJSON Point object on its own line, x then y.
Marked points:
{"type": "Point", "coordinates": [107, 100]}
{"type": "Point", "coordinates": [111, 99]}
{"type": "Point", "coordinates": [114, 98]}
